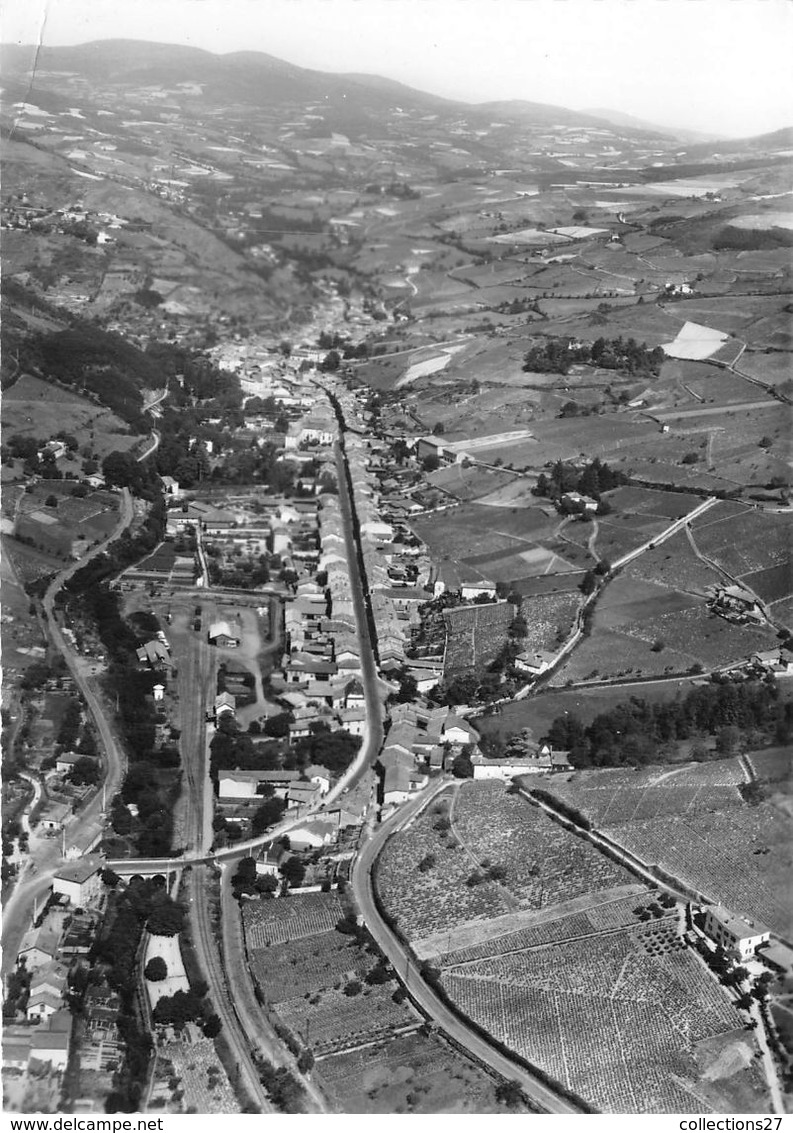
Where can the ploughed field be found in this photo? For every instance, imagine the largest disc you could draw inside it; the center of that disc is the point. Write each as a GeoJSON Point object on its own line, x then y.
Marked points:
{"type": "Point", "coordinates": [565, 957]}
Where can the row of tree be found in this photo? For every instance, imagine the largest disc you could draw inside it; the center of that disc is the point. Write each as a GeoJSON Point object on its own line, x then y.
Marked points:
{"type": "Point", "coordinates": [637, 732]}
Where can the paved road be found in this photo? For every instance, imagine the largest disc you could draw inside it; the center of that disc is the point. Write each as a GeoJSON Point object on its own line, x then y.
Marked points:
{"type": "Point", "coordinates": [673, 528]}
{"type": "Point", "coordinates": [408, 970]}
{"type": "Point", "coordinates": [713, 410]}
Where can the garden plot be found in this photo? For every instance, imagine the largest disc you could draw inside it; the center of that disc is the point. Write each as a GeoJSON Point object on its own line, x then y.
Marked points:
{"type": "Point", "coordinates": [549, 619]}
{"type": "Point", "coordinates": [270, 922]}
{"type": "Point", "coordinates": [409, 1073]}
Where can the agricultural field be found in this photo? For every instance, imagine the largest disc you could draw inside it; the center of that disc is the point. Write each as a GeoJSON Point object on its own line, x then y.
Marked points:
{"type": "Point", "coordinates": [475, 635]}
{"type": "Point", "coordinates": [741, 857]}
{"type": "Point", "coordinates": [408, 1074]}
{"type": "Point", "coordinates": [642, 629]}
{"type": "Point", "coordinates": [275, 922]}
{"type": "Point", "coordinates": [550, 619]}
{"type": "Point", "coordinates": [314, 976]}
{"type": "Point", "coordinates": [673, 564]}
{"type": "Point", "coordinates": [615, 796]}
{"type": "Point", "coordinates": [599, 946]}
{"type": "Point", "coordinates": [474, 541]}
{"type": "Point", "coordinates": [673, 1038]}
{"type": "Point", "coordinates": [469, 483]}
{"type": "Point", "coordinates": [749, 544]}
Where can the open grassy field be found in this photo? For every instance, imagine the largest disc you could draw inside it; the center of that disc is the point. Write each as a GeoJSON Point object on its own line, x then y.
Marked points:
{"type": "Point", "coordinates": [408, 1074]}
{"type": "Point", "coordinates": [32, 407]}
{"type": "Point", "coordinates": [537, 713]}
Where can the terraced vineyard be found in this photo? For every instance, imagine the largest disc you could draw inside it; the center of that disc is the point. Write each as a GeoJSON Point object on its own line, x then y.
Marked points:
{"type": "Point", "coordinates": [545, 864]}
{"type": "Point", "coordinates": [315, 978]}
{"type": "Point", "coordinates": [615, 1023]}
{"type": "Point", "coordinates": [290, 918]}
{"type": "Point", "coordinates": [611, 797]}
{"type": "Point", "coordinates": [603, 996]}
{"type": "Point", "coordinates": [337, 1022]}
{"type": "Point", "coordinates": [742, 858]}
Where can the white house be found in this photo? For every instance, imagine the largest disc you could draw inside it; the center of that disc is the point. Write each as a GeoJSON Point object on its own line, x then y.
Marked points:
{"type": "Point", "coordinates": [738, 937]}
{"type": "Point", "coordinates": [80, 881]}
{"type": "Point", "coordinates": [534, 663]}
{"type": "Point", "coordinates": [225, 705]}
{"type": "Point", "coordinates": [473, 590]}
{"type": "Point", "coordinates": [319, 776]}
{"type": "Point", "coordinates": [457, 731]}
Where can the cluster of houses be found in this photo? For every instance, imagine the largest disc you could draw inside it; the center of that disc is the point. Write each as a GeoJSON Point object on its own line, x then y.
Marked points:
{"type": "Point", "coordinates": [420, 740]}
{"type": "Point", "coordinates": [736, 604]}
{"type": "Point", "coordinates": [61, 939]}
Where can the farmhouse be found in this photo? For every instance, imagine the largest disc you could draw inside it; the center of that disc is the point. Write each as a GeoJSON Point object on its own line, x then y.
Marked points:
{"type": "Point", "coordinates": [738, 937]}
{"type": "Point", "coordinates": [270, 859]}
{"type": "Point", "coordinates": [574, 501]}
{"type": "Point", "coordinates": [534, 663]}
{"type": "Point", "coordinates": [457, 731]}
{"type": "Point", "coordinates": [222, 635]}
{"type": "Point", "coordinates": [244, 784]}
{"type": "Point", "coordinates": [80, 881]}
{"type": "Point", "coordinates": [736, 604]}
{"type": "Point", "coordinates": [225, 705]}
{"type": "Point", "coordinates": [153, 653]}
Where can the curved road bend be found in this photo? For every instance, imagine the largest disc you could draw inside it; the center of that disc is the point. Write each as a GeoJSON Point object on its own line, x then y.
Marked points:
{"type": "Point", "coordinates": [408, 970]}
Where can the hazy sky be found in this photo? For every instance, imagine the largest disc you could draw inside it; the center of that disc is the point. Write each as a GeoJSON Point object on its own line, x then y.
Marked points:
{"type": "Point", "coordinates": [721, 66]}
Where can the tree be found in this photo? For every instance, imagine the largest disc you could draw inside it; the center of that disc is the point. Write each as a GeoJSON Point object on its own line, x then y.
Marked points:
{"type": "Point", "coordinates": [294, 871]}
{"type": "Point", "coordinates": [167, 919]}
{"type": "Point", "coordinates": [268, 814]}
{"type": "Point", "coordinates": [305, 1061]}
{"type": "Point", "coordinates": [431, 463]}
{"type": "Point", "coordinates": [509, 1094]}
{"type": "Point", "coordinates": [212, 1027]}
{"type": "Point", "coordinates": [109, 877]}
{"type": "Point", "coordinates": [463, 768]}
{"type": "Point", "coordinates": [354, 987]}
{"type": "Point", "coordinates": [156, 969]}
{"type": "Point", "coordinates": [85, 772]}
